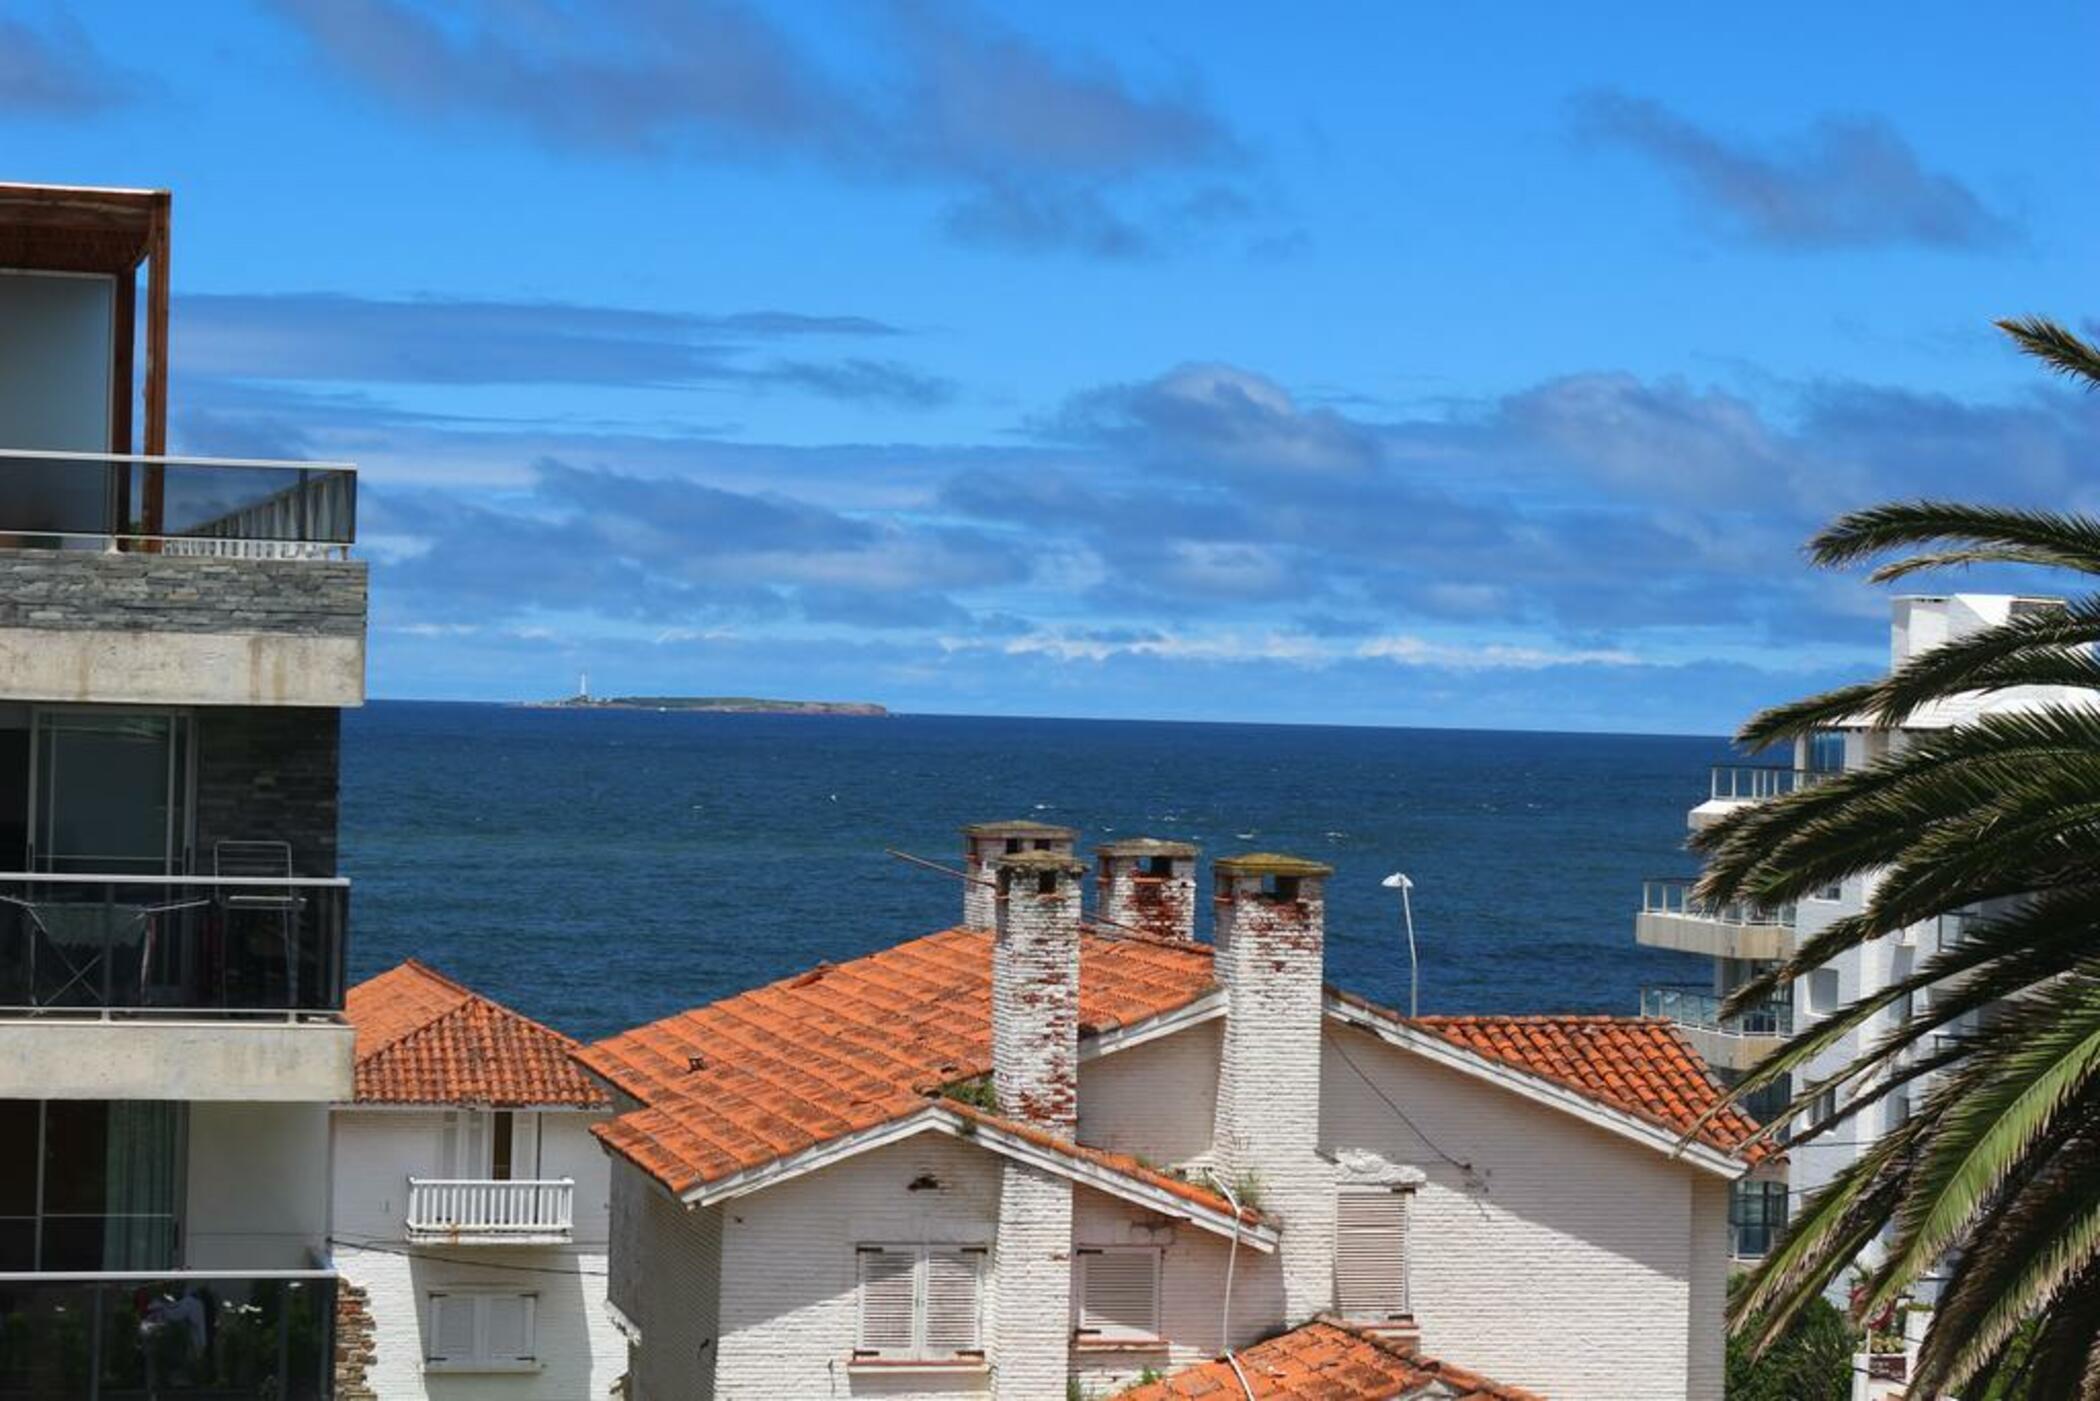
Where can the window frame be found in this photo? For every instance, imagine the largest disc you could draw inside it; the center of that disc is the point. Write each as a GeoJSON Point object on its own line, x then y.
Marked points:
{"type": "Point", "coordinates": [1088, 1334]}
{"type": "Point", "coordinates": [918, 1353]}
{"type": "Point", "coordinates": [481, 1360]}
{"type": "Point", "coordinates": [1403, 1197]}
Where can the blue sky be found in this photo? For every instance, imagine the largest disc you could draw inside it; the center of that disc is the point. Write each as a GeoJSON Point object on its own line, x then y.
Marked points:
{"type": "Point", "coordinates": [1449, 365]}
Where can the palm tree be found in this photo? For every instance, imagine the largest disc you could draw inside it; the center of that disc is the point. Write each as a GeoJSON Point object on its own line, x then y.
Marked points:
{"type": "Point", "coordinates": [1995, 1181]}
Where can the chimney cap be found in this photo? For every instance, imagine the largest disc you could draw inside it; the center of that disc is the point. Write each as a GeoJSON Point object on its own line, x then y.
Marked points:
{"type": "Point", "coordinates": [1148, 846]}
{"type": "Point", "coordinates": [1269, 863]}
{"type": "Point", "coordinates": [1041, 861]}
{"type": "Point", "coordinates": [1020, 827]}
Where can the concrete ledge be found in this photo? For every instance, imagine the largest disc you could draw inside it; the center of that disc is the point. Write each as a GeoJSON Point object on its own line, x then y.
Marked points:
{"type": "Point", "coordinates": [119, 667]}
{"type": "Point", "coordinates": [1726, 1050]}
{"type": "Point", "coordinates": [279, 1062]}
{"type": "Point", "coordinates": [1693, 934]}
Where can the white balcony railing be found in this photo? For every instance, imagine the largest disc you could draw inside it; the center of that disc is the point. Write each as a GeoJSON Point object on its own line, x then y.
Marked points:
{"type": "Point", "coordinates": [1673, 896]}
{"type": "Point", "coordinates": [469, 1209]}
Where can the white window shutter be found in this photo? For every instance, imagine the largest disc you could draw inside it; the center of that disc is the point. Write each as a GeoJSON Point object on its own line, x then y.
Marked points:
{"type": "Point", "coordinates": [508, 1327]}
{"type": "Point", "coordinates": [1119, 1293]}
{"type": "Point", "coordinates": [952, 1290]}
{"type": "Point", "coordinates": [1370, 1255]}
{"type": "Point", "coordinates": [452, 1327]}
{"type": "Point", "coordinates": [888, 1302]}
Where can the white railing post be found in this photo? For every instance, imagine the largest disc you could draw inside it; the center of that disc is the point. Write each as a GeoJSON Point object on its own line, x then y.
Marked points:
{"type": "Point", "coordinates": [464, 1208]}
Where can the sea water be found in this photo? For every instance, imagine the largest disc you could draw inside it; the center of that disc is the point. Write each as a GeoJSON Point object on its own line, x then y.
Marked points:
{"type": "Point", "coordinates": [597, 869]}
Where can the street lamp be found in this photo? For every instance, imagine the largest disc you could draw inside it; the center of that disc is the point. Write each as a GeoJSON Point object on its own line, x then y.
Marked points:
{"type": "Point", "coordinates": [1401, 883]}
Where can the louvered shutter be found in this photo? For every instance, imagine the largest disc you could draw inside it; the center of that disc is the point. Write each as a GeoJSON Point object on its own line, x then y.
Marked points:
{"type": "Point", "coordinates": [888, 1298]}
{"type": "Point", "coordinates": [452, 1328]}
{"type": "Point", "coordinates": [1370, 1255]}
{"type": "Point", "coordinates": [507, 1327]}
{"type": "Point", "coordinates": [952, 1292]}
{"type": "Point", "coordinates": [1119, 1293]}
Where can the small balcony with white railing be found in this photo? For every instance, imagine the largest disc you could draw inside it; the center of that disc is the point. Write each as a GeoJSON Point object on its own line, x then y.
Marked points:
{"type": "Point", "coordinates": [491, 1211]}
{"type": "Point", "coordinates": [1729, 786]}
{"type": "Point", "coordinates": [1672, 917]}
{"type": "Point", "coordinates": [1734, 1041]}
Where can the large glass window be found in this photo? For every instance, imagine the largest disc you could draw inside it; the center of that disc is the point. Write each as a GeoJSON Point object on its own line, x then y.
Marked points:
{"type": "Point", "coordinates": [1756, 1217]}
{"type": "Point", "coordinates": [111, 792]}
{"type": "Point", "coordinates": [89, 1184]}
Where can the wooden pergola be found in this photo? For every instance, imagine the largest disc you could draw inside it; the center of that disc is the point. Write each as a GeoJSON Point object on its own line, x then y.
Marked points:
{"type": "Point", "coordinates": [67, 228]}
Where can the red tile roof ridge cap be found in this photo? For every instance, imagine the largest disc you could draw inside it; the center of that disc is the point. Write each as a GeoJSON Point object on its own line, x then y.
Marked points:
{"type": "Point", "coordinates": [1407, 1351]}
{"type": "Point", "coordinates": [424, 972]}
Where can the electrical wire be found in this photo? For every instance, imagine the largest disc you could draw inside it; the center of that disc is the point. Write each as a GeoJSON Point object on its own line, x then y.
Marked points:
{"type": "Point", "coordinates": [1377, 1089]}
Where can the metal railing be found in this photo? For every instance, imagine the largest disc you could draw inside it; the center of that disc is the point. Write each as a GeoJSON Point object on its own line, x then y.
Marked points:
{"type": "Point", "coordinates": [228, 507]}
{"type": "Point", "coordinates": [1672, 895]}
{"type": "Point", "coordinates": [196, 945]}
{"type": "Point", "coordinates": [98, 1336]}
{"type": "Point", "coordinates": [1698, 1007]}
{"type": "Point", "coordinates": [462, 1208]}
{"type": "Point", "coordinates": [1746, 783]}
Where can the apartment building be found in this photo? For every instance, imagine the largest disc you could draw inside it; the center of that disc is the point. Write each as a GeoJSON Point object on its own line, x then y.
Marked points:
{"type": "Point", "coordinates": [470, 1214]}
{"type": "Point", "coordinates": [177, 640]}
{"type": "Point", "coordinates": [1051, 1152]}
{"type": "Point", "coordinates": [1737, 942]}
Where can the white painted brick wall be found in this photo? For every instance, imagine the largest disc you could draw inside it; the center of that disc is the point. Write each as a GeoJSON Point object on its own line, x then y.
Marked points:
{"type": "Point", "coordinates": [672, 1291]}
{"type": "Point", "coordinates": [1567, 1264]}
{"type": "Point", "coordinates": [1035, 991]}
{"type": "Point", "coordinates": [1269, 960]}
{"type": "Point", "coordinates": [1157, 1099]}
{"type": "Point", "coordinates": [1031, 1285]}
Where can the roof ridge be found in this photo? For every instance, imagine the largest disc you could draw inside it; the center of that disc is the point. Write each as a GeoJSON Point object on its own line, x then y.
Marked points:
{"type": "Point", "coordinates": [416, 965]}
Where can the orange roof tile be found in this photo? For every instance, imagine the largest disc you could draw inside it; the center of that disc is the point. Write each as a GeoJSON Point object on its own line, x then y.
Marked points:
{"type": "Point", "coordinates": [738, 1083]}
{"type": "Point", "coordinates": [1642, 1066]}
{"type": "Point", "coordinates": [425, 1039]}
{"type": "Point", "coordinates": [1327, 1361]}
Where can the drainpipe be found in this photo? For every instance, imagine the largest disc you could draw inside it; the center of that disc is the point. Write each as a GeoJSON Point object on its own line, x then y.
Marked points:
{"type": "Point", "coordinates": [1231, 1259]}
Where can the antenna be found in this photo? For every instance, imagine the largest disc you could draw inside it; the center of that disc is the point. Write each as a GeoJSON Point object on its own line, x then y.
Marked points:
{"type": "Point", "coordinates": [1399, 882]}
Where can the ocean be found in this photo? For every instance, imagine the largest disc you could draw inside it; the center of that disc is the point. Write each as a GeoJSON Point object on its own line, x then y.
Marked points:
{"type": "Point", "coordinates": [597, 869]}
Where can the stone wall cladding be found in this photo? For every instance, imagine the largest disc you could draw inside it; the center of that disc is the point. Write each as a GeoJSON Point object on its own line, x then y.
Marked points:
{"type": "Point", "coordinates": [82, 590]}
{"type": "Point", "coordinates": [355, 1346]}
{"type": "Point", "coordinates": [270, 774]}
{"type": "Point", "coordinates": [1035, 993]}
{"type": "Point", "coordinates": [1269, 954]}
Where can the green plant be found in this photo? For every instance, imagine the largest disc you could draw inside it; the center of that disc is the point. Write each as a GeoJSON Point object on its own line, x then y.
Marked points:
{"type": "Point", "coordinates": [1810, 1361]}
{"type": "Point", "coordinates": [977, 1092]}
{"type": "Point", "coordinates": [1247, 1187]}
{"type": "Point", "coordinates": [1994, 1181]}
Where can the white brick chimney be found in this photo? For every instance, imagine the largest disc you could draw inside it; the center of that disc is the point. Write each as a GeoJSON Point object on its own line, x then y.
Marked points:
{"type": "Point", "coordinates": [1035, 989]}
{"type": "Point", "coordinates": [985, 842]}
{"type": "Point", "coordinates": [1270, 933]}
{"type": "Point", "coordinates": [1150, 885]}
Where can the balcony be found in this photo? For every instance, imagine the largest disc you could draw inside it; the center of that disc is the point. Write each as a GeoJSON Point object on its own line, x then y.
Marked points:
{"type": "Point", "coordinates": [471, 1211]}
{"type": "Point", "coordinates": [165, 580]}
{"type": "Point", "coordinates": [100, 1336]}
{"type": "Point", "coordinates": [1729, 1043]}
{"type": "Point", "coordinates": [173, 987]}
{"type": "Point", "coordinates": [1671, 918]}
{"type": "Point", "coordinates": [1729, 786]}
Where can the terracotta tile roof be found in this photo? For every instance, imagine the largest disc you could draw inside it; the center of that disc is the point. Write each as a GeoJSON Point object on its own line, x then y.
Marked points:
{"type": "Point", "coordinates": [1326, 1361]}
{"type": "Point", "coordinates": [1641, 1066]}
{"type": "Point", "coordinates": [738, 1083]}
{"type": "Point", "coordinates": [425, 1039]}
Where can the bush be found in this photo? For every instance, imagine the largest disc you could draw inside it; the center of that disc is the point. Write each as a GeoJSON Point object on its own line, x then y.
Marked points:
{"type": "Point", "coordinates": [1811, 1362]}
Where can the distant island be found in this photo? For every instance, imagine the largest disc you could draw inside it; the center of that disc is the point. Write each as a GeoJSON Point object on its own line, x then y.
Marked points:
{"type": "Point", "coordinates": [714, 705]}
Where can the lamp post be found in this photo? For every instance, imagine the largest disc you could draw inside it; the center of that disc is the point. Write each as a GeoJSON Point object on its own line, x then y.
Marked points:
{"type": "Point", "coordinates": [1399, 882]}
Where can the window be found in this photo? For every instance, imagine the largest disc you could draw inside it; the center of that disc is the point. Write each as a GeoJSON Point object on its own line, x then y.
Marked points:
{"type": "Point", "coordinates": [1823, 1107]}
{"type": "Point", "coordinates": [484, 1145]}
{"type": "Point", "coordinates": [1116, 1294]}
{"type": "Point", "coordinates": [89, 1184]}
{"type": "Point", "coordinates": [1370, 1254]}
{"type": "Point", "coordinates": [1756, 1216]}
{"type": "Point", "coordinates": [480, 1331]}
{"type": "Point", "coordinates": [919, 1302]}
{"type": "Point", "coordinates": [1823, 991]}
{"type": "Point", "coordinates": [1826, 751]}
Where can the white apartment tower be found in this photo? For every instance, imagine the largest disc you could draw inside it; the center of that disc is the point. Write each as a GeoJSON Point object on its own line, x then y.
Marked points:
{"type": "Point", "coordinates": [177, 639]}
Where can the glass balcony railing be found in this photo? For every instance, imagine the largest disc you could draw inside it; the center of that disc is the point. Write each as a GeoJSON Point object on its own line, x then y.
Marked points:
{"type": "Point", "coordinates": [104, 944]}
{"type": "Point", "coordinates": [178, 505]}
{"type": "Point", "coordinates": [1701, 1008]}
{"type": "Point", "coordinates": [1672, 895]}
{"type": "Point", "coordinates": [104, 1336]}
{"type": "Point", "coordinates": [1748, 783]}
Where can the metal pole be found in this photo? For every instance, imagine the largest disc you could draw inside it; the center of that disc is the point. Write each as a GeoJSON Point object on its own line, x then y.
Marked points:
{"type": "Point", "coordinates": [1414, 967]}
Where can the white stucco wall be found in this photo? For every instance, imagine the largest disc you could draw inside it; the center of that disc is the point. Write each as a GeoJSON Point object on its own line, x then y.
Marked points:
{"type": "Point", "coordinates": [1158, 1099]}
{"type": "Point", "coordinates": [376, 1151]}
{"type": "Point", "coordinates": [257, 1186]}
{"type": "Point", "coordinates": [1566, 1263]}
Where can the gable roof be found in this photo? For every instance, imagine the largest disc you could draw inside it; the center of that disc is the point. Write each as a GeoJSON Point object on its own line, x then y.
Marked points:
{"type": "Point", "coordinates": [1640, 1067]}
{"type": "Point", "coordinates": [739, 1083]}
{"type": "Point", "coordinates": [1329, 1361]}
{"type": "Point", "coordinates": [424, 1039]}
